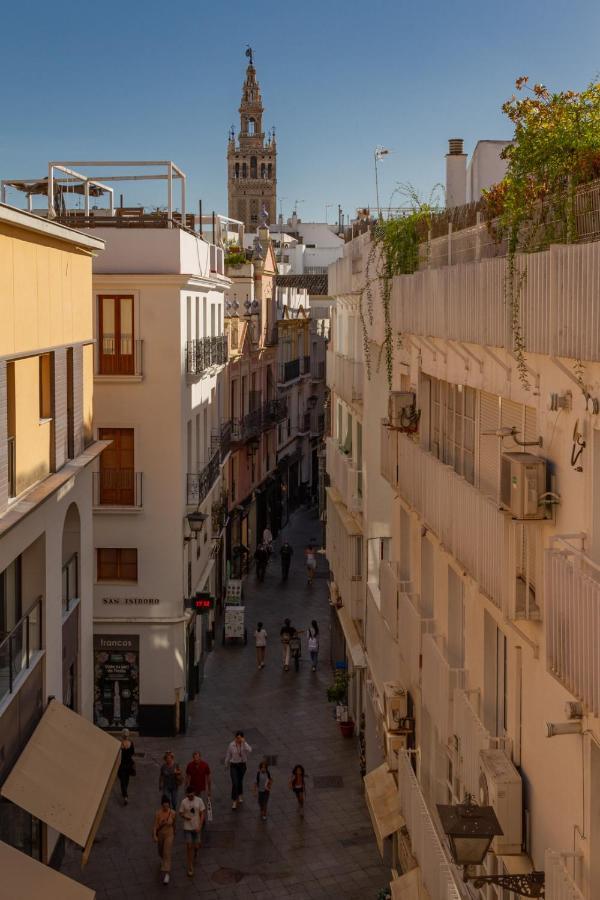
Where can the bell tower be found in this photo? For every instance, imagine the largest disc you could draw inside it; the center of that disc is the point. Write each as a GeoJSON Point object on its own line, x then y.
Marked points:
{"type": "Point", "coordinates": [252, 160]}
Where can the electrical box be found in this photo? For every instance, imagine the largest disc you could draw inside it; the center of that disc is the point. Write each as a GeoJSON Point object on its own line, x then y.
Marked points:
{"type": "Point", "coordinates": [396, 705]}
{"type": "Point", "coordinates": [500, 786]}
{"type": "Point", "coordinates": [399, 404]}
{"type": "Point", "coordinates": [522, 483]}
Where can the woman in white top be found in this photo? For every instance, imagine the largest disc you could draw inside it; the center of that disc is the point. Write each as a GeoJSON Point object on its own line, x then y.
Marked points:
{"type": "Point", "coordinates": [260, 639]}
{"type": "Point", "coordinates": [313, 644]}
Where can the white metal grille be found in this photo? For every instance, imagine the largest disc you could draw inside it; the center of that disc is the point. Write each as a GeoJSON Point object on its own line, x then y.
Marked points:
{"type": "Point", "coordinates": [572, 617]}
{"type": "Point", "coordinates": [438, 684]}
{"type": "Point", "coordinates": [436, 871]}
{"type": "Point", "coordinates": [560, 885]}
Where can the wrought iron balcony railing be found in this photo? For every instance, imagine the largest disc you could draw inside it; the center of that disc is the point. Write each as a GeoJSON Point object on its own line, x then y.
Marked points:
{"type": "Point", "coordinates": [18, 646]}
{"type": "Point", "coordinates": [119, 355]}
{"type": "Point", "coordinates": [221, 439]}
{"type": "Point", "coordinates": [265, 416]}
{"type": "Point", "coordinates": [200, 484]}
{"type": "Point", "coordinates": [289, 370]}
{"type": "Point", "coordinates": [205, 352]}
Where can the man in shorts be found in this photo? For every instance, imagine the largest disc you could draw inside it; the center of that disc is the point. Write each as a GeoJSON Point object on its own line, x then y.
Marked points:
{"type": "Point", "coordinates": [192, 811]}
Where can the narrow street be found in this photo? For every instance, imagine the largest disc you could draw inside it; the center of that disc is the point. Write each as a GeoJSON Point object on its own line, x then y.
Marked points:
{"type": "Point", "coordinates": [331, 853]}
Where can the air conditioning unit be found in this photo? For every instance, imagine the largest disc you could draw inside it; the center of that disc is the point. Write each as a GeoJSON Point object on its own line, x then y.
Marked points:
{"type": "Point", "coordinates": [500, 786]}
{"type": "Point", "coordinates": [522, 483]}
{"type": "Point", "coordinates": [393, 744]}
{"type": "Point", "coordinates": [401, 405]}
{"type": "Point", "coordinates": [396, 704]}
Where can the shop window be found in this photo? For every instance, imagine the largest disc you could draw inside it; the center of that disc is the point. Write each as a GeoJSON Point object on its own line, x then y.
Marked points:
{"type": "Point", "coordinates": [117, 564]}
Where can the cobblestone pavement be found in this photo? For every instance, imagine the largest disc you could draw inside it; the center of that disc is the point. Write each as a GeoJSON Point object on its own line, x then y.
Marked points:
{"type": "Point", "coordinates": [331, 853]}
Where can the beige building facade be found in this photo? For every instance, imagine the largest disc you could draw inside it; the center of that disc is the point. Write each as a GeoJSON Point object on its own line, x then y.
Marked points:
{"type": "Point", "coordinates": [466, 575]}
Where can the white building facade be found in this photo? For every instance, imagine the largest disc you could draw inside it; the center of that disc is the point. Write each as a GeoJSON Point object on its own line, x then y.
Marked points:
{"type": "Point", "coordinates": [469, 567]}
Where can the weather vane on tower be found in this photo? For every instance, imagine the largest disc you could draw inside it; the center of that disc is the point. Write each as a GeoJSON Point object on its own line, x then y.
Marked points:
{"type": "Point", "coordinates": [249, 54]}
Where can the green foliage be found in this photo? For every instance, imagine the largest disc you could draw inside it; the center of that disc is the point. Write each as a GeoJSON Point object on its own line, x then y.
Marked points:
{"type": "Point", "coordinates": [338, 691]}
{"type": "Point", "coordinates": [556, 147]}
{"type": "Point", "coordinates": [394, 251]}
{"type": "Point", "coordinates": [235, 258]}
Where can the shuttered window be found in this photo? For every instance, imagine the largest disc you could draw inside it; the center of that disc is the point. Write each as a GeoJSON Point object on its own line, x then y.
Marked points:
{"type": "Point", "coordinates": [117, 564]}
{"type": "Point", "coordinates": [452, 426]}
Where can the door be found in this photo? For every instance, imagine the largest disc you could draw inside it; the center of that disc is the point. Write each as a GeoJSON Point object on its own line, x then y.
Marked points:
{"type": "Point", "coordinates": [117, 476]}
{"type": "Point", "coordinates": [116, 336]}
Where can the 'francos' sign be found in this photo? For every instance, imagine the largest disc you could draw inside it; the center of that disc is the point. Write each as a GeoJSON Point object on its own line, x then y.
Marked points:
{"type": "Point", "coordinates": [131, 601]}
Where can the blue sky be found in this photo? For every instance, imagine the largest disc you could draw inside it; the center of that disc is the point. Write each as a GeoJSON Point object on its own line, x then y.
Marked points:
{"type": "Point", "coordinates": [162, 80]}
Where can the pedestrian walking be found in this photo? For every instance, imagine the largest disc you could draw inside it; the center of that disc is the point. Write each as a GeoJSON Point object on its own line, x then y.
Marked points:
{"type": "Point", "coordinates": [126, 765]}
{"type": "Point", "coordinates": [297, 783]}
{"type": "Point", "coordinates": [192, 811]}
{"type": "Point", "coordinates": [198, 777]}
{"type": "Point", "coordinates": [236, 758]}
{"type": "Point", "coordinates": [286, 554]}
{"type": "Point", "coordinates": [260, 639]}
{"type": "Point", "coordinates": [262, 788]}
{"type": "Point", "coordinates": [170, 778]}
{"type": "Point", "coordinates": [285, 635]}
{"type": "Point", "coordinates": [310, 555]}
{"type": "Point", "coordinates": [163, 833]}
{"type": "Point", "coordinates": [267, 539]}
{"type": "Point", "coordinates": [313, 644]}
{"type": "Point", "coordinates": [296, 649]}
{"type": "Point", "coordinates": [261, 557]}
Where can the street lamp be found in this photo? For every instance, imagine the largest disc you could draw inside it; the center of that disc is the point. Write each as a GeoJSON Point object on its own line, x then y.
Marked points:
{"type": "Point", "coordinates": [379, 153]}
{"type": "Point", "coordinates": [196, 520]}
{"type": "Point", "coordinates": [470, 830]}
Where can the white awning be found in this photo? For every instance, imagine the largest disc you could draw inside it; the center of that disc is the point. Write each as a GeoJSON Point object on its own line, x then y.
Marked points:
{"type": "Point", "coordinates": [357, 654]}
{"type": "Point", "coordinates": [23, 877]}
{"type": "Point", "coordinates": [64, 774]}
{"type": "Point", "coordinates": [409, 886]}
{"type": "Point", "coordinates": [383, 803]}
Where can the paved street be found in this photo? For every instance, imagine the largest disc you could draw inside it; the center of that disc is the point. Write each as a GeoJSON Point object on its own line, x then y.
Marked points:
{"type": "Point", "coordinates": [329, 854]}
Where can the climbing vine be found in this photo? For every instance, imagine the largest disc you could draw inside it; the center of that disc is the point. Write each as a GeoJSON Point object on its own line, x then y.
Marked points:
{"type": "Point", "coordinates": [556, 148]}
{"type": "Point", "coordinates": [394, 250]}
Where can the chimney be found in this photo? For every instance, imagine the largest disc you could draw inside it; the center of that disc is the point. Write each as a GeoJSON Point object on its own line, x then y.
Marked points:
{"type": "Point", "coordinates": [456, 173]}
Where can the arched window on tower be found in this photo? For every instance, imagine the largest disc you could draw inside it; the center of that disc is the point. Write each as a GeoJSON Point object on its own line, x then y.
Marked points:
{"type": "Point", "coordinates": [270, 171]}
{"type": "Point", "coordinates": [251, 126]}
{"type": "Point", "coordinates": [253, 167]}
{"type": "Point", "coordinates": [263, 170]}
{"type": "Point", "coordinates": [237, 170]}
{"type": "Point", "coordinates": [244, 170]}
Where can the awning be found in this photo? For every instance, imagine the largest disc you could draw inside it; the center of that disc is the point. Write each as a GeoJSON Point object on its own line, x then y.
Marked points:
{"type": "Point", "coordinates": [383, 802]}
{"type": "Point", "coordinates": [351, 526]}
{"type": "Point", "coordinates": [353, 644]}
{"type": "Point", "coordinates": [64, 774]}
{"type": "Point", "coordinates": [24, 877]}
{"type": "Point", "coordinates": [409, 886]}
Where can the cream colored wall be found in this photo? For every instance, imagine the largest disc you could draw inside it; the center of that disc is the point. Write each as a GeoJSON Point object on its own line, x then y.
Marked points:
{"type": "Point", "coordinates": [32, 445]}
{"type": "Point", "coordinates": [45, 287]}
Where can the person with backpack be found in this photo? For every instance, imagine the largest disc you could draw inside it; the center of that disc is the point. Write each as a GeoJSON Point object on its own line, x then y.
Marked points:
{"type": "Point", "coordinates": [313, 644]}
{"type": "Point", "coordinates": [286, 553]}
{"type": "Point", "coordinates": [285, 635]}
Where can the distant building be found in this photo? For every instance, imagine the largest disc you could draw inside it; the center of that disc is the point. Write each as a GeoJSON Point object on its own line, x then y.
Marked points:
{"type": "Point", "coordinates": [252, 161]}
{"type": "Point", "coordinates": [304, 248]}
{"type": "Point", "coordinates": [465, 180]}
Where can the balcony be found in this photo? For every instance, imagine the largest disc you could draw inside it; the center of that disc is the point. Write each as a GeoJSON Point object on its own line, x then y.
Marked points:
{"type": "Point", "coordinates": [304, 423]}
{"type": "Point", "coordinates": [473, 737]}
{"type": "Point", "coordinates": [117, 489]}
{"type": "Point", "coordinates": [221, 439]}
{"type": "Point", "coordinates": [469, 524]}
{"type": "Point", "coordinates": [289, 371]}
{"type": "Point", "coordinates": [265, 416]}
{"type": "Point", "coordinates": [205, 352]}
{"type": "Point", "coordinates": [19, 646]}
{"type": "Point", "coordinates": [305, 365]}
{"type": "Point", "coordinates": [119, 357]}
{"type": "Point", "coordinates": [560, 884]}
{"type": "Point", "coordinates": [439, 681]}
{"type": "Point", "coordinates": [12, 467]}
{"type": "Point", "coordinates": [70, 583]}
{"type": "Point", "coordinates": [436, 871]}
{"type": "Point", "coordinates": [400, 607]}
{"type": "Point", "coordinates": [345, 376]}
{"type": "Point", "coordinates": [572, 620]}
{"type": "Point", "coordinates": [344, 552]}
{"type": "Point", "coordinates": [200, 484]}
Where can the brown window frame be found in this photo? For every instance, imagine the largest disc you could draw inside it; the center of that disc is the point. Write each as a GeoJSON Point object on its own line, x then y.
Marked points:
{"type": "Point", "coordinates": [118, 563]}
{"type": "Point", "coordinates": [116, 363]}
{"type": "Point", "coordinates": [45, 362]}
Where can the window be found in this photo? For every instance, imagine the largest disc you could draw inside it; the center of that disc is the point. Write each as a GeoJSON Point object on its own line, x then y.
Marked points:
{"type": "Point", "coordinates": [253, 167]}
{"type": "Point", "coordinates": [45, 364]}
{"type": "Point", "coordinates": [115, 327]}
{"type": "Point", "coordinates": [117, 475]}
{"type": "Point", "coordinates": [70, 406]}
{"type": "Point", "coordinates": [251, 126]}
{"type": "Point", "coordinates": [117, 564]}
{"type": "Point", "coordinates": [452, 426]}
{"type": "Point", "coordinates": [10, 597]}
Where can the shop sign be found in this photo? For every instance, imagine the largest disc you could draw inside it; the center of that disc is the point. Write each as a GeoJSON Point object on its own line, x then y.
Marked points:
{"type": "Point", "coordinates": [116, 680]}
{"type": "Point", "coordinates": [202, 601]}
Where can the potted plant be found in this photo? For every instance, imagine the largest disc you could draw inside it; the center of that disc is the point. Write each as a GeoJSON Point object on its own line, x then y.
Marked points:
{"type": "Point", "coordinates": [347, 728]}
{"type": "Point", "coordinates": [338, 693]}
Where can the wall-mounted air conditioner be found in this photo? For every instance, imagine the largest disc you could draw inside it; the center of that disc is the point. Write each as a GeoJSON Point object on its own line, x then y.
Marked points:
{"type": "Point", "coordinates": [500, 786]}
{"type": "Point", "coordinates": [522, 483]}
{"type": "Point", "coordinates": [401, 408]}
{"type": "Point", "coordinates": [396, 705]}
{"type": "Point", "coordinates": [394, 743]}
